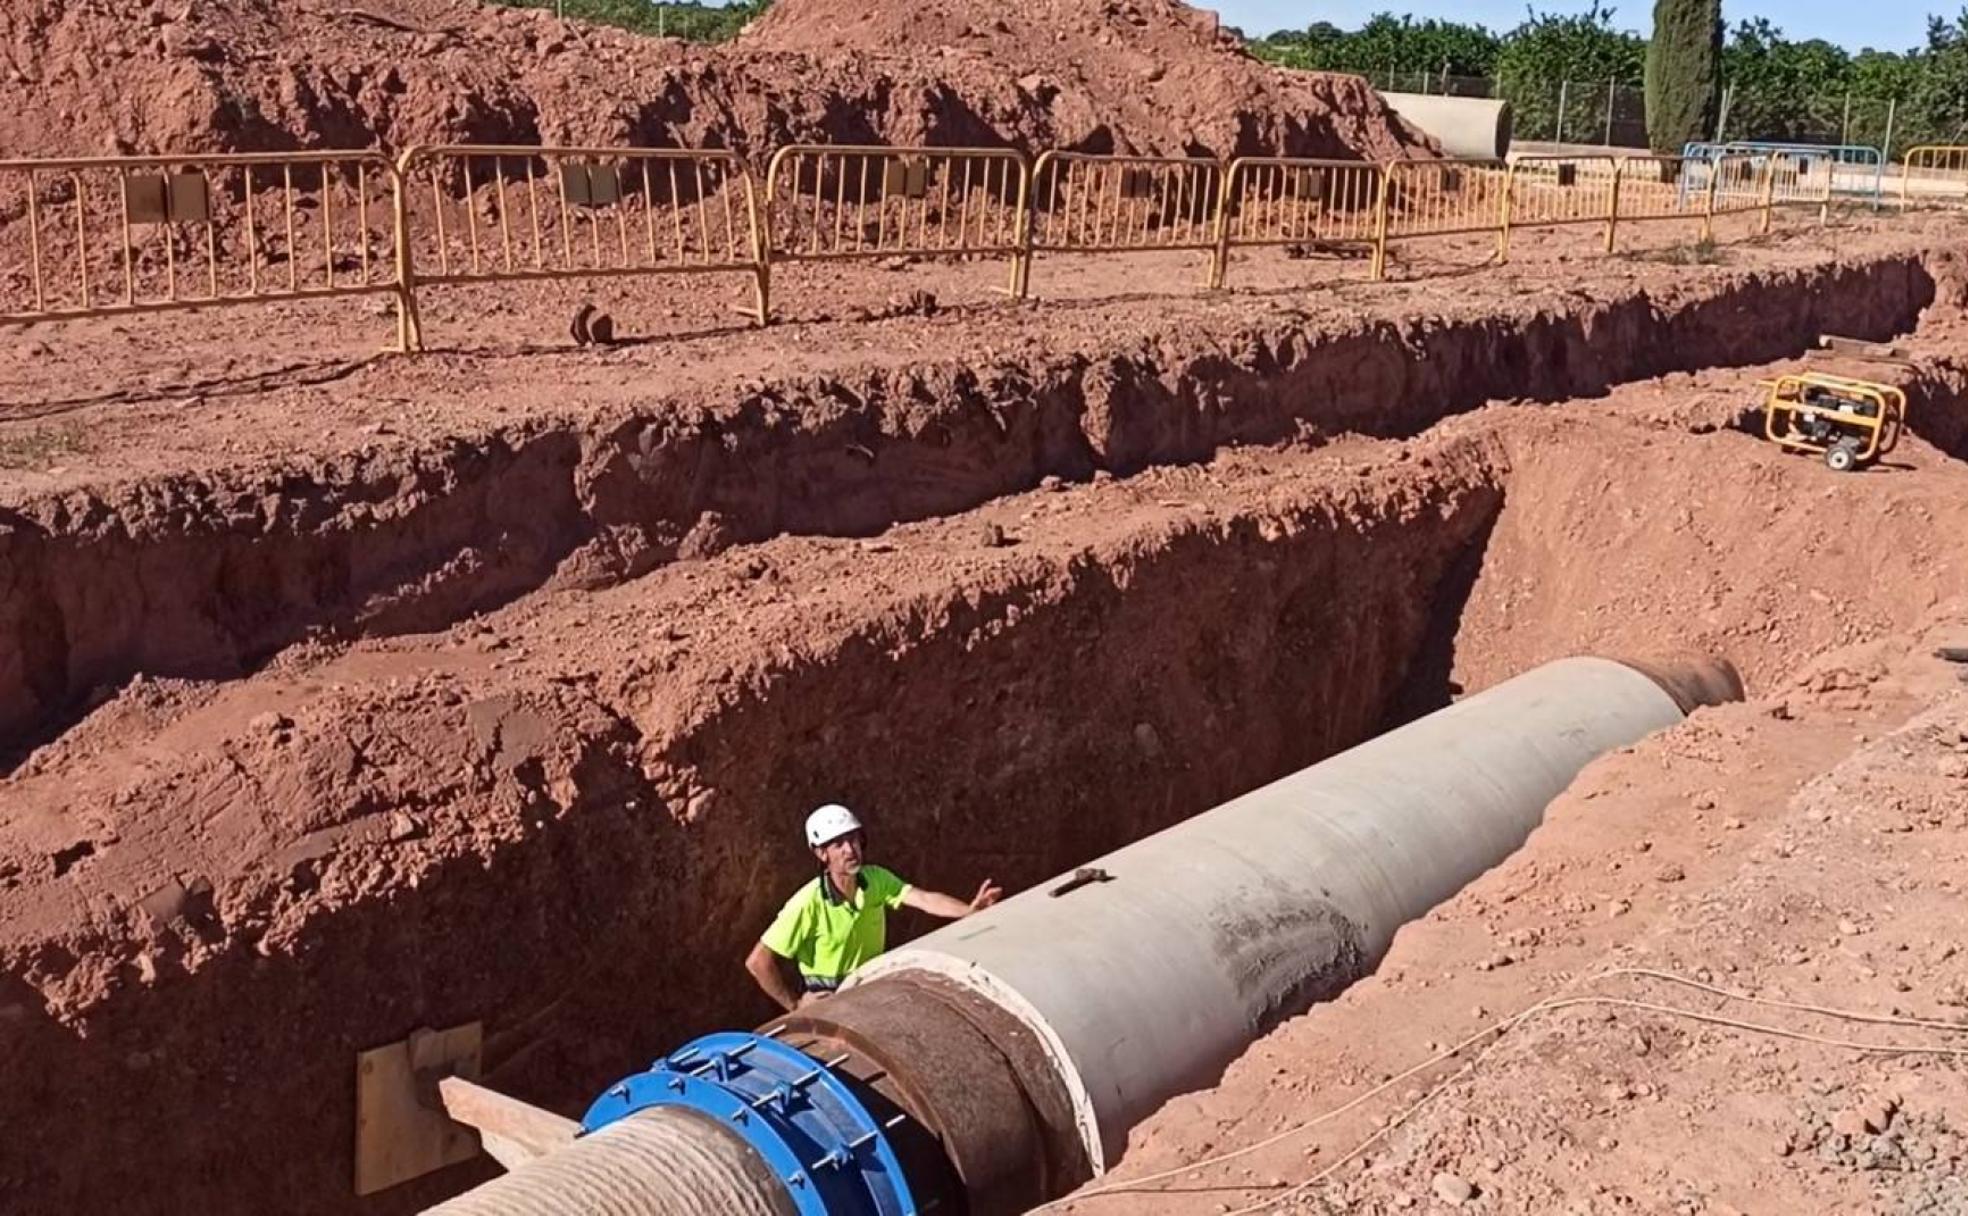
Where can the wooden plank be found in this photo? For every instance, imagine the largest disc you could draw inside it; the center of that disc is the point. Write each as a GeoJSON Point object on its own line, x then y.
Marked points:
{"type": "Point", "coordinates": [513, 1132]}
{"type": "Point", "coordinates": [1856, 346]}
{"type": "Point", "coordinates": [401, 1130]}
{"type": "Point", "coordinates": [1832, 345]}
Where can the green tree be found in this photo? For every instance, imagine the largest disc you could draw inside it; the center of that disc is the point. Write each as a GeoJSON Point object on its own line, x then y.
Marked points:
{"type": "Point", "coordinates": [1401, 46]}
{"type": "Point", "coordinates": [693, 21]}
{"type": "Point", "coordinates": [1937, 94]}
{"type": "Point", "coordinates": [1549, 50]}
{"type": "Point", "coordinates": [1784, 90]}
{"type": "Point", "coordinates": [1683, 72]}
{"type": "Point", "coordinates": [1807, 91]}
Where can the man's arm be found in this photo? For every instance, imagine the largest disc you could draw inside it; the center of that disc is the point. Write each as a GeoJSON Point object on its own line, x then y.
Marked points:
{"type": "Point", "coordinates": [949, 907]}
{"type": "Point", "coordinates": [771, 973]}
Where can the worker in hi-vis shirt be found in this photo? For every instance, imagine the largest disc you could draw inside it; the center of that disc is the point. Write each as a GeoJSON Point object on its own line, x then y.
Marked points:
{"type": "Point", "coordinates": [839, 921]}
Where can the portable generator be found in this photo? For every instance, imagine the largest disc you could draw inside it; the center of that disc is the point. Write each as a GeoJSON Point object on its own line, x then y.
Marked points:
{"type": "Point", "coordinates": [1850, 422]}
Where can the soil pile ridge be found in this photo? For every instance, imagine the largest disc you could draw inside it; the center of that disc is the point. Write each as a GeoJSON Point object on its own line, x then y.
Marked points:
{"type": "Point", "coordinates": [1141, 64]}
{"type": "Point", "coordinates": [95, 77]}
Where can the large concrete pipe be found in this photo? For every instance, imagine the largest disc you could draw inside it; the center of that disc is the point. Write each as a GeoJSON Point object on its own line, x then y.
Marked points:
{"type": "Point", "coordinates": [1147, 982]}
{"type": "Point", "coordinates": [1474, 127]}
{"type": "Point", "coordinates": [1002, 1060]}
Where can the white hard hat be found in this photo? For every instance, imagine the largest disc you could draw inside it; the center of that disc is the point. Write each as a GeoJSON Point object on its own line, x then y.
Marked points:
{"type": "Point", "coordinates": [830, 823]}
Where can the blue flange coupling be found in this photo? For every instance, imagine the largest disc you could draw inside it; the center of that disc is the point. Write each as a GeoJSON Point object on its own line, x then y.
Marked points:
{"type": "Point", "coordinates": [834, 1157]}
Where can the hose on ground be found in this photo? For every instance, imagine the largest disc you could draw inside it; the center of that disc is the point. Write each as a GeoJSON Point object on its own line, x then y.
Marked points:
{"type": "Point", "coordinates": [1496, 1032]}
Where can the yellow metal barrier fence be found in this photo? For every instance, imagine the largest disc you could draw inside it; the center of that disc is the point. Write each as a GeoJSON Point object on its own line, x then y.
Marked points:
{"type": "Point", "coordinates": [1934, 173]}
{"type": "Point", "coordinates": [112, 235]}
{"type": "Point", "coordinates": [1798, 180]}
{"type": "Point", "coordinates": [835, 203]}
{"type": "Point", "coordinates": [1666, 188]}
{"type": "Point", "coordinates": [96, 237]}
{"type": "Point", "coordinates": [493, 213]}
{"type": "Point", "coordinates": [1741, 184]}
{"type": "Point", "coordinates": [1441, 198]}
{"type": "Point", "coordinates": [1086, 203]}
{"type": "Point", "coordinates": [1662, 188]}
{"type": "Point", "coordinates": [1555, 191]}
{"type": "Point", "coordinates": [1276, 201]}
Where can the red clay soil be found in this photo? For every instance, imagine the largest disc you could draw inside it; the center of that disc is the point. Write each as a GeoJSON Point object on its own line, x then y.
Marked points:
{"type": "Point", "coordinates": [568, 816]}
{"type": "Point", "coordinates": [400, 495]}
{"type": "Point", "coordinates": [1806, 847]}
{"type": "Point", "coordinates": [92, 77]}
{"type": "Point", "coordinates": [1144, 65]}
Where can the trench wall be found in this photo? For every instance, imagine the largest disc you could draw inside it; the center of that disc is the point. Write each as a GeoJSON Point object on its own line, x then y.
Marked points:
{"type": "Point", "coordinates": [206, 577]}
{"type": "Point", "coordinates": [591, 890]}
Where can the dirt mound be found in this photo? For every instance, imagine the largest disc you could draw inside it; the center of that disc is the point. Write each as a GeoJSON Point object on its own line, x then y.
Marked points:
{"type": "Point", "coordinates": [1157, 70]}
{"type": "Point", "coordinates": [96, 76]}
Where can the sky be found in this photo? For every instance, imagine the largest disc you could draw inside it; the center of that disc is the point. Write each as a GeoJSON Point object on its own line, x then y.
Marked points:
{"type": "Point", "coordinates": [1887, 25]}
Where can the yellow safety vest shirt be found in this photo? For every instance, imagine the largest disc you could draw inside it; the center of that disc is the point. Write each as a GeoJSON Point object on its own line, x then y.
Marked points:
{"type": "Point", "coordinates": [830, 936]}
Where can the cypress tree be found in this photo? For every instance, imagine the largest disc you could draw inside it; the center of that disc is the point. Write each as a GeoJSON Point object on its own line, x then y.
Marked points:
{"type": "Point", "coordinates": [1684, 72]}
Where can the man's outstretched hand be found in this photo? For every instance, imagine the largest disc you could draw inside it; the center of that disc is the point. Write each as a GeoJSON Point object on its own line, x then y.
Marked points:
{"type": "Point", "coordinates": [987, 894]}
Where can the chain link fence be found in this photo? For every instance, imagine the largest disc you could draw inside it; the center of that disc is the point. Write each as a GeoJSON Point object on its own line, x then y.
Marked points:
{"type": "Point", "coordinates": [1613, 114]}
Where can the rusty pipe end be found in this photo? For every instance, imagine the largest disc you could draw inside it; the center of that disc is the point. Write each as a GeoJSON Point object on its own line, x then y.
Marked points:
{"type": "Point", "coordinates": [1692, 680]}
{"type": "Point", "coordinates": [990, 1129]}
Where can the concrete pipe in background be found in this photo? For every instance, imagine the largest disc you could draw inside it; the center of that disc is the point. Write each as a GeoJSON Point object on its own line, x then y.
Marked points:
{"type": "Point", "coordinates": [1474, 128]}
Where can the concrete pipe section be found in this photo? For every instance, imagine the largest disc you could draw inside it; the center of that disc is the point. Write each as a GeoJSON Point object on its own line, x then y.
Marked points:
{"type": "Point", "coordinates": [1002, 1060]}
{"type": "Point", "coordinates": [1477, 128]}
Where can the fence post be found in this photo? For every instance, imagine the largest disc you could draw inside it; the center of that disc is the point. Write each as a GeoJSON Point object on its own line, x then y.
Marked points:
{"type": "Point", "coordinates": [1564, 94]}
{"type": "Point", "coordinates": [760, 209]}
{"type": "Point", "coordinates": [1220, 247]}
{"type": "Point", "coordinates": [1613, 212]}
{"type": "Point", "coordinates": [1503, 216]}
{"type": "Point", "coordinates": [1845, 123]}
{"type": "Point", "coordinates": [409, 326]}
{"type": "Point", "coordinates": [1021, 257]}
{"type": "Point", "coordinates": [1381, 205]}
{"type": "Point", "coordinates": [1886, 148]}
{"type": "Point", "coordinates": [1769, 192]}
{"type": "Point", "coordinates": [1722, 115]}
{"type": "Point", "coordinates": [1611, 86]}
{"type": "Point", "coordinates": [1708, 199]}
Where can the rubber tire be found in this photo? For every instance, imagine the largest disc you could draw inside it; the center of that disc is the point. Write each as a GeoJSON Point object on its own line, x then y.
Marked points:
{"type": "Point", "coordinates": [1841, 458]}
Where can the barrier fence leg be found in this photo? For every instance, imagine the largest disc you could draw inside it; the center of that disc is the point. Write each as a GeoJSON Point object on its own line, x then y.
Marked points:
{"type": "Point", "coordinates": [1503, 215]}
{"type": "Point", "coordinates": [759, 212]}
{"type": "Point", "coordinates": [762, 288]}
{"type": "Point", "coordinates": [1380, 223]}
{"type": "Point", "coordinates": [1613, 210]}
{"type": "Point", "coordinates": [1769, 195]}
{"type": "Point", "coordinates": [1708, 202]}
{"type": "Point", "coordinates": [1021, 254]}
{"type": "Point", "coordinates": [1220, 244]}
{"type": "Point", "coordinates": [409, 326]}
{"type": "Point", "coordinates": [1026, 231]}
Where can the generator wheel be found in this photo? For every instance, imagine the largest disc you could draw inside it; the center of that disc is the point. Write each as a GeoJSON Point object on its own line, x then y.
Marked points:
{"type": "Point", "coordinates": [1842, 457]}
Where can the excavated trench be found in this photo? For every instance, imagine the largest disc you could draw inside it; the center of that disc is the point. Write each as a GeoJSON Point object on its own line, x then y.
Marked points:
{"type": "Point", "coordinates": [569, 817]}
{"type": "Point", "coordinates": [206, 577]}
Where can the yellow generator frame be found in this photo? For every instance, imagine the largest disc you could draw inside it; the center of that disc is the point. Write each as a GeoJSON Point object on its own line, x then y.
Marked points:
{"type": "Point", "coordinates": [1850, 422]}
